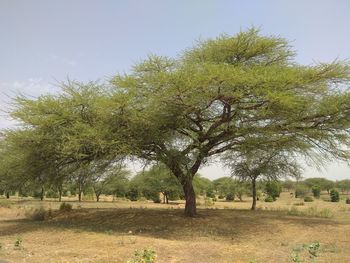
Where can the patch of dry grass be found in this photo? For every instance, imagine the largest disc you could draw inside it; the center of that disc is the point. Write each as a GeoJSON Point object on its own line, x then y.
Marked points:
{"type": "Point", "coordinates": [111, 232]}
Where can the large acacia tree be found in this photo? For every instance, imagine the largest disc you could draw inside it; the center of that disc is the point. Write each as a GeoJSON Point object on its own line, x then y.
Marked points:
{"type": "Point", "coordinates": [221, 95]}
{"type": "Point", "coordinates": [226, 93]}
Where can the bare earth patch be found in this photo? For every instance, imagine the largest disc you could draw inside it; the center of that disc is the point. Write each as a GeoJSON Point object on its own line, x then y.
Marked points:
{"type": "Point", "coordinates": [111, 233]}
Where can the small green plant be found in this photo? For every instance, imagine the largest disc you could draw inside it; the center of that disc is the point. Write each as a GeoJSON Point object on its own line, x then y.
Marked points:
{"type": "Point", "coordinates": [296, 258]}
{"type": "Point", "coordinates": [65, 207]}
{"type": "Point", "coordinates": [146, 256]}
{"type": "Point", "coordinates": [334, 194]}
{"type": "Point", "coordinates": [269, 199]}
{"type": "Point", "coordinates": [347, 200]}
{"type": "Point", "coordinates": [313, 249]}
{"type": "Point", "coordinates": [308, 199]}
{"type": "Point", "coordinates": [18, 242]}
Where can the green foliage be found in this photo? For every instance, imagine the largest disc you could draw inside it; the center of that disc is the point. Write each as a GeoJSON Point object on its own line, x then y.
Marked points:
{"type": "Point", "coordinates": [308, 199]}
{"type": "Point", "coordinates": [230, 197]}
{"type": "Point", "coordinates": [347, 200]}
{"type": "Point", "coordinates": [323, 183]}
{"type": "Point", "coordinates": [334, 194]}
{"type": "Point", "coordinates": [203, 185]}
{"type": "Point", "coordinates": [210, 193]}
{"type": "Point", "coordinates": [316, 191]}
{"type": "Point", "coordinates": [269, 199]}
{"type": "Point", "coordinates": [343, 185]}
{"type": "Point", "coordinates": [146, 256]}
{"type": "Point", "coordinates": [229, 94]}
{"type": "Point", "coordinates": [273, 189]}
{"type": "Point", "coordinates": [51, 194]}
{"type": "Point", "coordinates": [65, 207]}
{"type": "Point", "coordinates": [133, 194]}
{"type": "Point", "coordinates": [301, 191]}
{"type": "Point", "coordinates": [18, 242]}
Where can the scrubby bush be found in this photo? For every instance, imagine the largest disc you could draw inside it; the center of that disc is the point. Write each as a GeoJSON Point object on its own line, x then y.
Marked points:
{"type": "Point", "coordinates": [301, 191]}
{"type": "Point", "coordinates": [65, 207]}
{"type": "Point", "coordinates": [230, 197]}
{"type": "Point", "coordinates": [269, 199]}
{"type": "Point", "coordinates": [133, 194]}
{"type": "Point", "coordinates": [308, 199]}
{"type": "Point", "coordinates": [273, 189]}
{"type": "Point", "coordinates": [155, 198]}
{"type": "Point", "coordinates": [347, 200]}
{"type": "Point", "coordinates": [316, 191]}
{"type": "Point", "coordinates": [221, 197]}
{"type": "Point", "coordinates": [39, 214]}
{"type": "Point", "coordinates": [51, 194]}
{"type": "Point", "coordinates": [210, 193]}
{"type": "Point", "coordinates": [334, 194]}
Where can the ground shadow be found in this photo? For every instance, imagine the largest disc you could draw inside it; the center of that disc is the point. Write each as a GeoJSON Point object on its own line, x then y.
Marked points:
{"type": "Point", "coordinates": [165, 223]}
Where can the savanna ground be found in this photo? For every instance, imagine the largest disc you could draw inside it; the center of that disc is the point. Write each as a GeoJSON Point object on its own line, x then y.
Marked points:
{"type": "Point", "coordinates": [283, 231]}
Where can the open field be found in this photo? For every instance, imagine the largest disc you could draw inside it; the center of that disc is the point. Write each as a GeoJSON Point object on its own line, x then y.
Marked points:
{"type": "Point", "coordinates": [223, 232]}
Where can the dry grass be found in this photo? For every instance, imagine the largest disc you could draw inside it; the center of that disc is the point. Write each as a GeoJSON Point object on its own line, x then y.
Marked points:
{"type": "Point", "coordinates": [110, 232]}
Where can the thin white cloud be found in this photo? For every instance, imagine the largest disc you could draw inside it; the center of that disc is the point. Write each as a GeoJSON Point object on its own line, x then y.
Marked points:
{"type": "Point", "coordinates": [64, 60]}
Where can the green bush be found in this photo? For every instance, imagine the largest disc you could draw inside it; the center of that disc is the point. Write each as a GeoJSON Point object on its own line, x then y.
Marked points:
{"type": "Point", "coordinates": [133, 194]}
{"type": "Point", "coordinates": [347, 200]}
{"type": "Point", "coordinates": [301, 191]}
{"type": "Point", "coordinates": [316, 191]}
{"type": "Point", "coordinates": [269, 199]}
{"type": "Point", "coordinates": [51, 194]}
{"type": "Point", "coordinates": [334, 194]}
{"type": "Point", "coordinates": [308, 199]}
{"type": "Point", "coordinates": [221, 197]}
{"type": "Point", "coordinates": [65, 207]}
{"type": "Point", "coordinates": [273, 189]}
{"type": "Point", "coordinates": [210, 193]}
{"type": "Point", "coordinates": [155, 198]}
{"type": "Point", "coordinates": [230, 197]}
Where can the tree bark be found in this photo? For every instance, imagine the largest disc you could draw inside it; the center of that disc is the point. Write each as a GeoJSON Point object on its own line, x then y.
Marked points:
{"type": "Point", "coordinates": [254, 193]}
{"type": "Point", "coordinates": [8, 195]}
{"type": "Point", "coordinates": [190, 196]}
{"type": "Point", "coordinates": [79, 195]}
{"type": "Point", "coordinates": [60, 193]}
{"type": "Point", "coordinates": [42, 193]}
{"type": "Point", "coordinates": [97, 197]}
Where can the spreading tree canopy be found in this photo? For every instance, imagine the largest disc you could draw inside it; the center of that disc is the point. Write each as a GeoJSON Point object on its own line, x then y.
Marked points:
{"type": "Point", "coordinates": [223, 94]}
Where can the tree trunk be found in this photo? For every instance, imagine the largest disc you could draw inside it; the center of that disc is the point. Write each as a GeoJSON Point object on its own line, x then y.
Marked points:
{"type": "Point", "coordinates": [97, 197]}
{"type": "Point", "coordinates": [79, 195]}
{"type": "Point", "coordinates": [8, 195]}
{"type": "Point", "coordinates": [190, 196]}
{"type": "Point", "coordinates": [254, 193]}
{"type": "Point", "coordinates": [42, 193]}
{"type": "Point", "coordinates": [60, 193]}
{"type": "Point", "coordinates": [163, 198]}
{"type": "Point", "coordinates": [167, 199]}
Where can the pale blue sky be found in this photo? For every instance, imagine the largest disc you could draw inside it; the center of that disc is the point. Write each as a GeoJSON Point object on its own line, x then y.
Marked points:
{"type": "Point", "coordinates": [43, 41]}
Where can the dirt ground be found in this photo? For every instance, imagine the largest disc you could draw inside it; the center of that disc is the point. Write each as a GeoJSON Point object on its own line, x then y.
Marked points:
{"type": "Point", "coordinates": [223, 232]}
